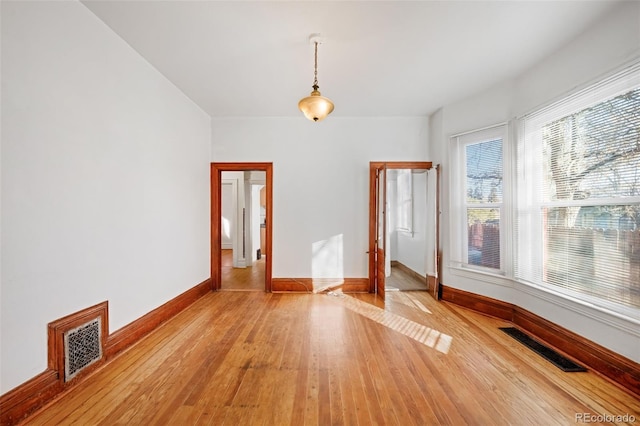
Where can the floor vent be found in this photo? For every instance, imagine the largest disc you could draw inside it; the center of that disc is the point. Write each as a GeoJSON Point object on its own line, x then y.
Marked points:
{"type": "Point", "coordinates": [547, 353]}
{"type": "Point", "coordinates": [82, 347]}
{"type": "Point", "coordinates": [77, 342]}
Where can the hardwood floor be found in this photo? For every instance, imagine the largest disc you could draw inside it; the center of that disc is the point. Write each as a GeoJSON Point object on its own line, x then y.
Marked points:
{"type": "Point", "coordinates": [250, 278]}
{"type": "Point", "coordinates": [401, 280]}
{"type": "Point", "coordinates": [255, 358]}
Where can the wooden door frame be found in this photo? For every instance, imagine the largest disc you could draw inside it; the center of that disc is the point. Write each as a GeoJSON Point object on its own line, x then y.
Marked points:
{"type": "Point", "coordinates": [216, 218]}
{"type": "Point", "coordinates": [373, 166]}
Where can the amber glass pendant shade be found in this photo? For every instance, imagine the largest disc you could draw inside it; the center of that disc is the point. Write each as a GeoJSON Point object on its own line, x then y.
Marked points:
{"type": "Point", "coordinates": [315, 106]}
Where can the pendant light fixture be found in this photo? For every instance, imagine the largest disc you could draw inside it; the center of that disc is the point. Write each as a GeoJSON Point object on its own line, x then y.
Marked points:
{"type": "Point", "coordinates": [315, 106]}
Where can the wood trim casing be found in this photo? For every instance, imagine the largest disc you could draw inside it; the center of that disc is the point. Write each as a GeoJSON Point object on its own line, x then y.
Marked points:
{"type": "Point", "coordinates": [373, 166]}
{"type": "Point", "coordinates": [615, 367]}
{"type": "Point", "coordinates": [318, 285]}
{"type": "Point", "coordinates": [432, 282]}
{"type": "Point", "coordinates": [216, 215]}
{"type": "Point", "coordinates": [372, 228]}
{"type": "Point", "coordinates": [25, 399]}
{"type": "Point", "coordinates": [426, 165]}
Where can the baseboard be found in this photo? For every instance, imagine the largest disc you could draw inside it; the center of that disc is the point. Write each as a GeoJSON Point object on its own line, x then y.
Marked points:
{"type": "Point", "coordinates": [614, 367]}
{"type": "Point", "coordinates": [478, 303]}
{"type": "Point", "coordinates": [355, 285]}
{"type": "Point", "coordinates": [22, 401]}
{"type": "Point", "coordinates": [318, 285]}
{"type": "Point", "coordinates": [121, 339]}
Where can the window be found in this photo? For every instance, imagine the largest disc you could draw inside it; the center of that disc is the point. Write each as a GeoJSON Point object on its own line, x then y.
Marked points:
{"type": "Point", "coordinates": [404, 191]}
{"type": "Point", "coordinates": [479, 182]}
{"type": "Point", "coordinates": [578, 207]}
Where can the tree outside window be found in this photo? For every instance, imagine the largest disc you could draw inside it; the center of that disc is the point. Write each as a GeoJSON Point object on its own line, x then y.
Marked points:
{"type": "Point", "coordinates": [590, 209]}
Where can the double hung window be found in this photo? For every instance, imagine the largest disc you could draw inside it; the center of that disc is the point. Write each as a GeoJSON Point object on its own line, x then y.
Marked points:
{"type": "Point", "coordinates": [479, 181]}
{"type": "Point", "coordinates": [578, 193]}
{"type": "Point", "coordinates": [404, 191]}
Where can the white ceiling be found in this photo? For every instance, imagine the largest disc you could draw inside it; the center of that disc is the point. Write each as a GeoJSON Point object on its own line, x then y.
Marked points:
{"type": "Point", "coordinates": [394, 58]}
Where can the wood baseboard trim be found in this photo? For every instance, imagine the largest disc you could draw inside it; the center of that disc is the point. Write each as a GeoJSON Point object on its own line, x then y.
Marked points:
{"type": "Point", "coordinates": [614, 367]}
{"type": "Point", "coordinates": [621, 370]}
{"type": "Point", "coordinates": [121, 339]}
{"type": "Point", "coordinates": [291, 285]}
{"type": "Point", "coordinates": [355, 285]}
{"type": "Point", "coordinates": [22, 401]}
{"type": "Point", "coordinates": [19, 403]}
{"type": "Point", "coordinates": [485, 305]}
{"type": "Point", "coordinates": [318, 285]}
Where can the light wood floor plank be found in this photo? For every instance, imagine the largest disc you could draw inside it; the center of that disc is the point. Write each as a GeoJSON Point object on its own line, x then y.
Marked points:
{"type": "Point", "coordinates": [252, 358]}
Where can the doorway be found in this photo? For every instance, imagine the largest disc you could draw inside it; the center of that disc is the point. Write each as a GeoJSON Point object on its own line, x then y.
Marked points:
{"type": "Point", "coordinates": [405, 263]}
{"type": "Point", "coordinates": [403, 227]}
{"type": "Point", "coordinates": [241, 223]}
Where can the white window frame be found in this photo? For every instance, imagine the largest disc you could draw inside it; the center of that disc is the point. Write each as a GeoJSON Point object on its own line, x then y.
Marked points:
{"type": "Point", "coordinates": [532, 231]}
{"type": "Point", "coordinates": [459, 205]}
{"type": "Point", "coordinates": [406, 205]}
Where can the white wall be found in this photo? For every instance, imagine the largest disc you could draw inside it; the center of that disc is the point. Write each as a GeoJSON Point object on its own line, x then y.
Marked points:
{"type": "Point", "coordinates": [320, 182]}
{"type": "Point", "coordinates": [255, 182]}
{"type": "Point", "coordinates": [606, 46]}
{"type": "Point", "coordinates": [105, 180]}
{"type": "Point", "coordinates": [392, 200]}
{"type": "Point", "coordinates": [409, 248]}
{"type": "Point", "coordinates": [228, 209]}
{"type": "Point", "coordinates": [412, 247]}
{"type": "Point", "coordinates": [255, 220]}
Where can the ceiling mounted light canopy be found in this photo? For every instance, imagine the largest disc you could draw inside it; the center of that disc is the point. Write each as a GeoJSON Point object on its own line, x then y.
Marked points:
{"type": "Point", "coordinates": [315, 106]}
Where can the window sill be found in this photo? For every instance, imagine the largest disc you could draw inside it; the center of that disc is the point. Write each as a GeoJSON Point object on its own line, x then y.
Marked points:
{"type": "Point", "coordinates": [583, 305]}
{"type": "Point", "coordinates": [497, 278]}
{"type": "Point", "coordinates": [623, 318]}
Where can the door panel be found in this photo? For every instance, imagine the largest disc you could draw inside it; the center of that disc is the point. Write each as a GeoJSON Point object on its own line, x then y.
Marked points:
{"type": "Point", "coordinates": [380, 272]}
{"type": "Point", "coordinates": [435, 291]}
{"type": "Point", "coordinates": [381, 229]}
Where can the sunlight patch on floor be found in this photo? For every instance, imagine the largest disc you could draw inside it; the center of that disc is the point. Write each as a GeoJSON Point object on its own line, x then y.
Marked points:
{"type": "Point", "coordinates": [418, 332]}
{"type": "Point", "coordinates": [409, 300]}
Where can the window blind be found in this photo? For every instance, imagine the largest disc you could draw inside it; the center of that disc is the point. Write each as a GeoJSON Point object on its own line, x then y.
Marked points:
{"type": "Point", "coordinates": [479, 181]}
{"type": "Point", "coordinates": [578, 193]}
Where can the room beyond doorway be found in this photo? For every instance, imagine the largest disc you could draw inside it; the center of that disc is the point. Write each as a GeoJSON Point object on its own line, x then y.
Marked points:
{"type": "Point", "coordinates": [406, 215]}
{"type": "Point", "coordinates": [400, 231]}
{"type": "Point", "coordinates": [250, 278]}
{"type": "Point", "coordinates": [403, 278]}
{"type": "Point", "coordinates": [241, 249]}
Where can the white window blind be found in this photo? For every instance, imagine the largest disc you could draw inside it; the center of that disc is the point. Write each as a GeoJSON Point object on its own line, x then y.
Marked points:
{"type": "Point", "coordinates": [578, 193]}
